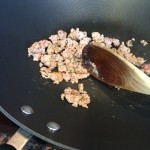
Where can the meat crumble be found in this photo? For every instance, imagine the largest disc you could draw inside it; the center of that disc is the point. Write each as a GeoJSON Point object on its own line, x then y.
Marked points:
{"type": "Point", "coordinates": [61, 53]}
{"type": "Point", "coordinates": [130, 42]}
{"type": "Point", "coordinates": [146, 68]}
{"type": "Point", "coordinates": [76, 97]}
{"type": "Point", "coordinates": [144, 43]}
{"type": "Point", "coordinates": [60, 59]}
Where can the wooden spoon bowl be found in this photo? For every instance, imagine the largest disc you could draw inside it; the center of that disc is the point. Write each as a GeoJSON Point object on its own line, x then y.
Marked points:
{"type": "Point", "coordinates": [109, 67]}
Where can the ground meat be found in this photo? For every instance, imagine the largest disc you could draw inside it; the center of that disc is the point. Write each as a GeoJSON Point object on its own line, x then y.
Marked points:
{"type": "Point", "coordinates": [38, 49]}
{"type": "Point", "coordinates": [61, 47]}
{"type": "Point", "coordinates": [129, 43]}
{"type": "Point", "coordinates": [76, 34]}
{"type": "Point", "coordinates": [108, 42]}
{"type": "Point", "coordinates": [57, 77]}
{"type": "Point", "coordinates": [146, 68]}
{"type": "Point", "coordinates": [62, 34]}
{"type": "Point", "coordinates": [144, 43]}
{"type": "Point", "coordinates": [54, 39]}
{"type": "Point", "coordinates": [116, 42]}
{"type": "Point", "coordinates": [124, 51]}
{"type": "Point", "coordinates": [121, 49]}
{"type": "Point", "coordinates": [76, 97]}
{"type": "Point", "coordinates": [62, 53]}
{"type": "Point", "coordinates": [45, 72]}
{"type": "Point", "coordinates": [60, 58]}
{"type": "Point", "coordinates": [97, 37]}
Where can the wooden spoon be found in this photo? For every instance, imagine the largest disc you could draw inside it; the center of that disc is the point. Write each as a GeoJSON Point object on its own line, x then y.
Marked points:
{"type": "Point", "coordinates": [109, 67]}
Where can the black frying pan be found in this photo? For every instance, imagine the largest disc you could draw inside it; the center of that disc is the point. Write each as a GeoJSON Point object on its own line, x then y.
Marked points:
{"type": "Point", "coordinates": [118, 120]}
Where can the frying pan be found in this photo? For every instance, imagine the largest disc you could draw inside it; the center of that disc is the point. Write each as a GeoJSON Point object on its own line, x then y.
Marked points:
{"type": "Point", "coordinates": [115, 119]}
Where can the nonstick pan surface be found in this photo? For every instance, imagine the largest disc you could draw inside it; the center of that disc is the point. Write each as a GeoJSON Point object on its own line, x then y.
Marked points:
{"type": "Point", "coordinates": [118, 120]}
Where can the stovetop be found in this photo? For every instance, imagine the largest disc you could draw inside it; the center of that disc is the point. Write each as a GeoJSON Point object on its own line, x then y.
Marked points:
{"type": "Point", "coordinates": [8, 128]}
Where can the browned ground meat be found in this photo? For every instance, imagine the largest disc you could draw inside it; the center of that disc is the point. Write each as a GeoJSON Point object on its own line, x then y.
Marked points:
{"type": "Point", "coordinates": [146, 68]}
{"type": "Point", "coordinates": [38, 49]}
{"type": "Point", "coordinates": [76, 97]}
{"type": "Point", "coordinates": [63, 52]}
{"type": "Point", "coordinates": [130, 42]}
{"type": "Point", "coordinates": [60, 58]}
{"type": "Point", "coordinates": [125, 52]}
{"type": "Point", "coordinates": [144, 43]}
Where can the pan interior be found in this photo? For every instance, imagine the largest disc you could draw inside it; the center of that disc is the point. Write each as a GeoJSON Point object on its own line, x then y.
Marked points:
{"type": "Point", "coordinates": [114, 118]}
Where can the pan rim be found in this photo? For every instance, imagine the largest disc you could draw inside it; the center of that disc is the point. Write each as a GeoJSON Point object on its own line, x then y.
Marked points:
{"type": "Point", "coordinates": [57, 144]}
